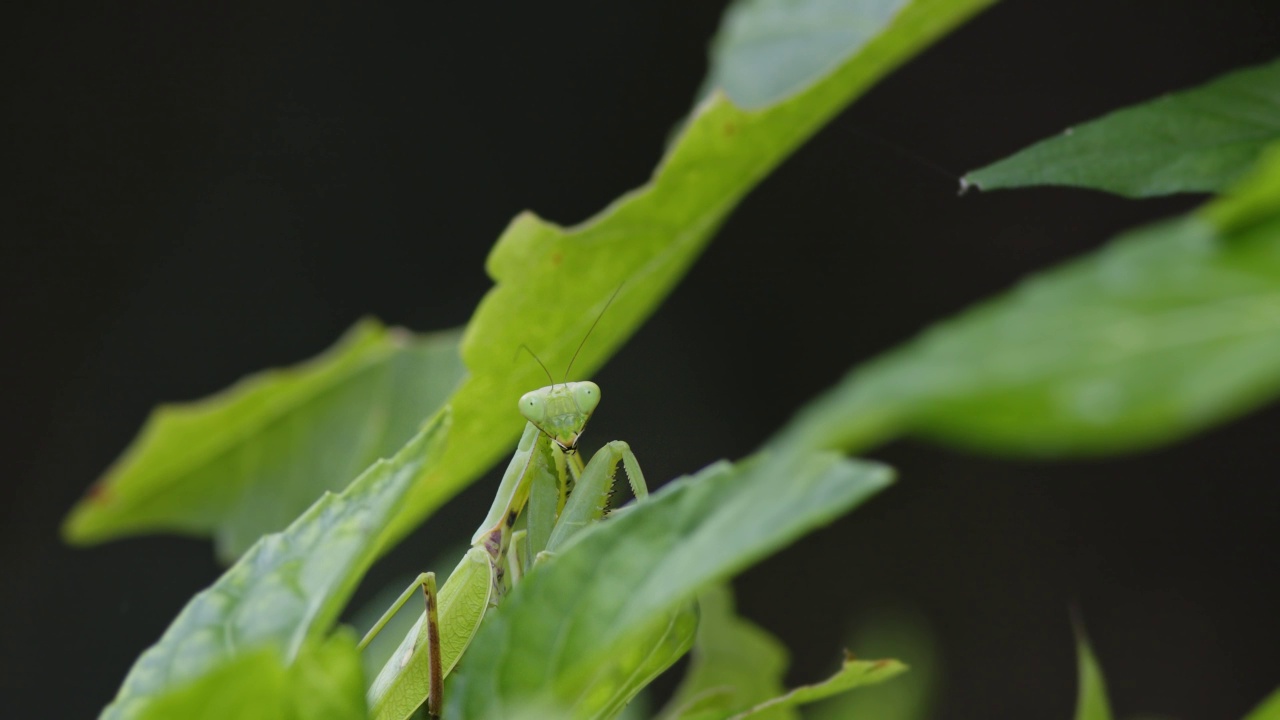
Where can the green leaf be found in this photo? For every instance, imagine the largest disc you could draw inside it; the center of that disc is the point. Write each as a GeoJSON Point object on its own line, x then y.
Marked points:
{"type": "Point", "coordinates": [905, 635]}
{"type": "Point", "coordinates": [287, 589]}
{"type": "Point", "coordinates": [1166, 331]}
{"type": "Point", "coordinates": [322, 683]}
{"type": "Point", "coordinates": [736, 664]}
{"type": "Point", "coordinates": [1197, 140]}
{"type": "Point", "coordinates": [543, 648]}
{"type": "Point", "coordinates": [245, 462]}
{"type": "Point", "coordinates": [1091, 697]}
{"type": "Point", "coordinates": [767, 50]}
{"type": "Point", "coordinates": [553, 282]}
{"type": "Point", "coordinates": [1268, 709]}
{"type": "Point", "coordinates": [738, 668]}
{"type": "Point", "coordinates": [852, 674]}
{"type": "Point", "coordinates": [1254, 203]}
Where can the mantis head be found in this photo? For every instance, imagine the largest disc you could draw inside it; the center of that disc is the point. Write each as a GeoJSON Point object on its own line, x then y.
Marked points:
{"type": "Point", "coordinates": [561, 411]}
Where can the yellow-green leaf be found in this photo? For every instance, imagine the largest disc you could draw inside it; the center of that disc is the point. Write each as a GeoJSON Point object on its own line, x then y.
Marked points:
{"type": "Point", "coordinates": [1268, 709]}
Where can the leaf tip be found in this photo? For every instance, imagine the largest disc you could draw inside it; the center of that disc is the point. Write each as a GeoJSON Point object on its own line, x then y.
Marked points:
{"type": "Point", "coordinates": [81, 526]}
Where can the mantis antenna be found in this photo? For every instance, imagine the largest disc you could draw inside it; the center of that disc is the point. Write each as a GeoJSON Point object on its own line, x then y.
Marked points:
{"type": "Point", "coordinates": [589, 331]}
{"type": "Point", "coordinates": [539, 361]}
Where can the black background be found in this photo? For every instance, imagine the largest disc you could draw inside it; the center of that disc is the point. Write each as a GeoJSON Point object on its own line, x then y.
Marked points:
{"type": "Point", "coordinates": [197, 194]}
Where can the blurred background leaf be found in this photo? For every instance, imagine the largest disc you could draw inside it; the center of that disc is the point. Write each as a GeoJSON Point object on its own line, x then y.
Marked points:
{"type": "Point", "coordinates": [734, 664]}
{"type": "Point", "coordinates": [248, 460]}
{"type": "Point", "coordinates": [1165, 331]}
{"type": "Point", "coordinates": [1268, 709]}
{"type": "Point", "coordinates": [1091, 692]}
{"type": "Point", "coordinates": [767, 50]}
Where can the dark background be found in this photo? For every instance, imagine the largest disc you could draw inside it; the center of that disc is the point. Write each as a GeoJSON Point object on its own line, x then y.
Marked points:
{"type": "Point", "coordinates": [194, 195]}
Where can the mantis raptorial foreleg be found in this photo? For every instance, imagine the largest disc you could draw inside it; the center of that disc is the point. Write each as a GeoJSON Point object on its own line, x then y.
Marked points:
{"type": "Point", "coordinates": [546, 484]}
{"type": "Point", "coordinates": [587, 504]}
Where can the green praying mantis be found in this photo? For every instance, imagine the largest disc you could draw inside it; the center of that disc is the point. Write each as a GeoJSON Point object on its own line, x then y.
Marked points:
{"type": "Point", "coordinates": [547, 496]}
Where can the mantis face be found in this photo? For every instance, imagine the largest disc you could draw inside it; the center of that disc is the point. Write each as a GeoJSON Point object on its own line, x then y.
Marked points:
{"type": "Point", "coordinates": [561, 411]}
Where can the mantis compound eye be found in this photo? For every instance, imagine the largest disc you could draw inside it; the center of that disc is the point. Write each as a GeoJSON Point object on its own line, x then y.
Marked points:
{"type": "Point", "coordinates": [533, 407]}
{"type": "Point", "coordinates": [587, 395]}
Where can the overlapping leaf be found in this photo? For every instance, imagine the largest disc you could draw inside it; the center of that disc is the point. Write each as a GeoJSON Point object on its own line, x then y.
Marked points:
{"type": "Point", "coordinates": [247, 461]}
{"type": "Point", "coordinates": [285, 591]}
{"type": "Point", "coordinates": [1198, 140]}
{"type": "Point", "coordinates": [542, 649]}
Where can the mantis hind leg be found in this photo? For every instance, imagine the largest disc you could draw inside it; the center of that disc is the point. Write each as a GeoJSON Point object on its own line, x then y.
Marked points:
{"type": "Point", "coordinates": [420, 581]}
{"type": "Point", "coordinates": [435, 680]}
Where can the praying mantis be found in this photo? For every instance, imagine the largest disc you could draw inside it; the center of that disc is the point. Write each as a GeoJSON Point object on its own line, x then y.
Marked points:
{"type": "Point", "coordinates": [547, 495]}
